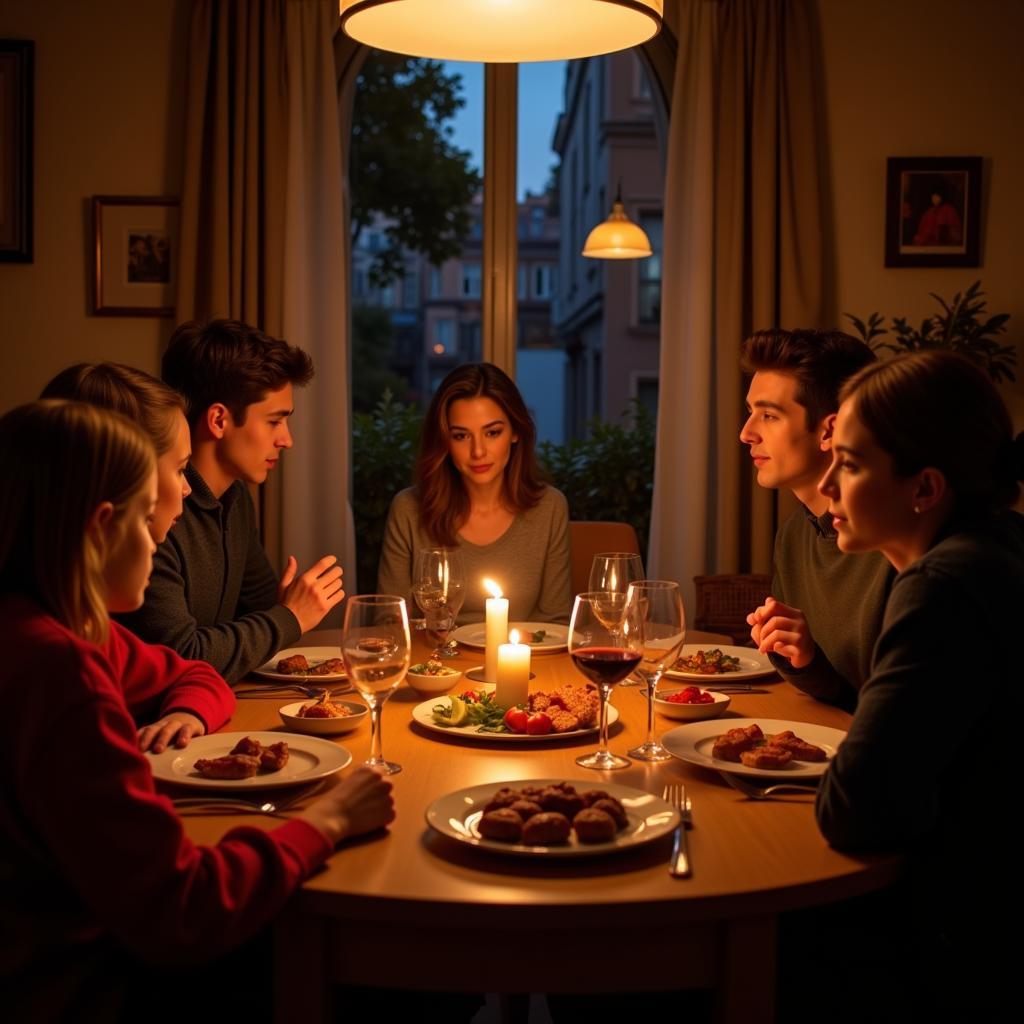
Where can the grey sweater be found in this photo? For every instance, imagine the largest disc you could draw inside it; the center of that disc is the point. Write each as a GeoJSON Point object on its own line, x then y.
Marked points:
{"type": "Point", "coordinates": [842, 597]}
{"type": "Point", "coordinates": [530, 561]}
{"type": "Point", "coordinates": [213, 594]}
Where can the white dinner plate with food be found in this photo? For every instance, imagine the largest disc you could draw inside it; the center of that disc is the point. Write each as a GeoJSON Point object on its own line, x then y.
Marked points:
{"type": "Point", "coordinates": [540, 637]}
{"type": "Point", "coordinates": [423, 715]}
{"type": "Point", "coordinates": [457, 816]}
{"type": "Point", "coordinates": [309, 758]}
{"type": "Point", "coordinates": [315, 656]}
{"type": "Point", "coordinates": [751, 664]}
{"type": "Point", "coordinates": [693, 742]}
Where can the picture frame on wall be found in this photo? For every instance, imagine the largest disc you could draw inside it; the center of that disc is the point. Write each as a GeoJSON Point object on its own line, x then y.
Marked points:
{"type": "Point", "coordinates": [135, 254]}
{"type": "Point", "coordinates": [933, 212]}
{"type": "Point", "coordinates": [17, 63]}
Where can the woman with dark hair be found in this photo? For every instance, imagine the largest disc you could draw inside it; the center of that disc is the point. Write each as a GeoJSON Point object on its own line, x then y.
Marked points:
{"type": "Point", "coordinates": [478, 488]}
{"type": "Point", "coordinates": [925, 467]}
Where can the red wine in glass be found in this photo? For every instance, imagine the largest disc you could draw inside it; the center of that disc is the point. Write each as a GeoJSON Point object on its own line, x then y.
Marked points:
{"type": "Point", "coordinates": [605, 665]}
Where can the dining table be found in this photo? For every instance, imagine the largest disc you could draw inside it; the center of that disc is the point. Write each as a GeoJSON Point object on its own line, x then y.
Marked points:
{"type": "Point", "coordinates": [410, 908]}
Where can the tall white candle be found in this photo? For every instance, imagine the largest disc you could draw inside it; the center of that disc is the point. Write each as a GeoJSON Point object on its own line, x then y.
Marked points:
{"type": "Point", "coordinates": [513, 672]}
{"type": "Point", "coordinates": [496, 611]}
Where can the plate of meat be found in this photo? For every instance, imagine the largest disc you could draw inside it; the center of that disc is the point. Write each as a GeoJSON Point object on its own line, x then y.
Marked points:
{"type": "Point", "coordinates": [551, 818]}
{"type": "Point", "coordinates": [316, 663]}
{"type": "Point", "coordinates": [699, 661]}
{"type": "Point", "coordinates": [756, 746]}
{"type": "Point", "coordinates": [253, 760]}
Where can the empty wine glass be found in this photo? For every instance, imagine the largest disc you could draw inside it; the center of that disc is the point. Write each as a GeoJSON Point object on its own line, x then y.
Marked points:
{"type": "Point", "coordinates": [605, 649]}
{"type": "Point", "coordinates": [375, 648]}
{"type": "Point", "coordinates": [614, 571]}
{"type": "Point", "coordinates": [658, 610]}
{"type": "Point", "coordinates": [438, 586]}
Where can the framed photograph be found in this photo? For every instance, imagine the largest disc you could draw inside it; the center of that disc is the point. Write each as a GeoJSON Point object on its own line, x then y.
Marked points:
{"type": "Point", "coordinates": [17, 58]}
{"type": "Point", "coordinates": [933, 211]}
{"type": "Point", "coordinates": [135, 255]}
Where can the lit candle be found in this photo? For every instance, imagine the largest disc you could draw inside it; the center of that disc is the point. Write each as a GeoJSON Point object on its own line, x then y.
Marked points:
{"type": "Point", "coordinates": [496, 608]}
{"type": "Point", "coordinates": [513, 672]}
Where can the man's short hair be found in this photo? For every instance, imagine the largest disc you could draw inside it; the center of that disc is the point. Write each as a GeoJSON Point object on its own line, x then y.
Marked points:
{"type": "Point", "coordinates": [232, 363]}
{"type": "Point", "coordinates": [819, 360]}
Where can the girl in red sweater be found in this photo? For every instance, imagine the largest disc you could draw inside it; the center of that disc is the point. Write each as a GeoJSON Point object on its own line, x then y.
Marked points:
{"type": "Point", "coordinates": [95, 863]}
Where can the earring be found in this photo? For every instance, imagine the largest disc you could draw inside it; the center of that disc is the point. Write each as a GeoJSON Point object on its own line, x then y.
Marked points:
{"type": "Point", "coordinates": [917, 509]}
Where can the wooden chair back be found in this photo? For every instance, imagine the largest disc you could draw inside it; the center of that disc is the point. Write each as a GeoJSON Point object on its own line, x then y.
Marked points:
{"type": "Point", "coordinates": [724, 602]}
{"type": "Point", "coordinates": [587, 539]}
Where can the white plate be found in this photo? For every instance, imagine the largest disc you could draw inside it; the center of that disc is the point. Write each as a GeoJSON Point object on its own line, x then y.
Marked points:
{"type": "Point", "coordinates": [752, 664]}
{"type": "Point", "coordinates": [422, 715]}
{"type": "Point", "coordinates": [557, 636]}
{"type": "Point", "coordinates": [310, 758]}
{"type": "Point", "coordinates": [693, 743]}
{"type": "Point", "coordinates": [457, 814]}
{"type": "Point", "coordinates": [314, 655]}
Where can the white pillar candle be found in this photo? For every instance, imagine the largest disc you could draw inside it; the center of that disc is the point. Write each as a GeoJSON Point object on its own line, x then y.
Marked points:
{"type": "Point", "coordinates": [496, 611]}
{"type": "Point", "coordinates": [513, 672]}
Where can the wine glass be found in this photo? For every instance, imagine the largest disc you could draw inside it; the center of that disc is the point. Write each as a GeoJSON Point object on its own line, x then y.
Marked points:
{"type": "Point", "coordinates": [614, 571]}
{"type": "Point", "coordinates": [375, 646]}
{"type": "Point", "coordinates": [438, 585]}
{"type": "Point", "coordinates": [658, 610]}
{"type": "Point", "coordinates": [605, 648]}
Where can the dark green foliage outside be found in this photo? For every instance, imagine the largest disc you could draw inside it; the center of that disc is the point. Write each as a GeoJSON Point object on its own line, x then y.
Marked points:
{"type": "Point", "coordinates": [961, 327]}
{"type": "Point", "coordinates": [372, 342]}
{"type": "Point", "coordinates": [608, 475]}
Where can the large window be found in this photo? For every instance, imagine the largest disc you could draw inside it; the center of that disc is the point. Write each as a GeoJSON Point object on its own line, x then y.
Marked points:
{"type": "Point", "coordinates": [649, 284]}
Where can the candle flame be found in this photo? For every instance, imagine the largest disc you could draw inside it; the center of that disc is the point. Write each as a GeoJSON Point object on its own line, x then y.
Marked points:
{"type": "Point", "coordinates": [492, 588]}
{"type": "Point", "coordinates": [513, 636]}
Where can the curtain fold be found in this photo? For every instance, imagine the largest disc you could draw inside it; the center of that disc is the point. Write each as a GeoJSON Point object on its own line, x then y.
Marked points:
{"type": "Point", "coordinates": [744, 219]}
{"type": "Point", "coordinates": [264, 237]}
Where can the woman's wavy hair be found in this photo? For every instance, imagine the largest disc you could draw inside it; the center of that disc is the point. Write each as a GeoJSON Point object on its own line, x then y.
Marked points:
{"type": "Point", "coordinates": [60, 461]}
{"type": "Point", "coordinates": [133, 393]}
{"type": "Point", "coordinates": [938, 409]}
{"type": "Point", "coordinates": [443, 501]}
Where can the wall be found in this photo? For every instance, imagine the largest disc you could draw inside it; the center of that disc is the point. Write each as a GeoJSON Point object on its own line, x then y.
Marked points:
{"type": "Point", "coordinates": [925, 78]}
{"type": "Point", "coordinates": [109, 94]}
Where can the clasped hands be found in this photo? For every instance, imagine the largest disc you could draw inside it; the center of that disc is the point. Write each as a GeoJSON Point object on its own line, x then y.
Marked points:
{"type": "Point", "coordinates": [777, 628]}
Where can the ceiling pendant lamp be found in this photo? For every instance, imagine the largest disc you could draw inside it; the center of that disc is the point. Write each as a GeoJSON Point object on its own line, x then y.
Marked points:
{"type": "Point", "coordinates": [502, 31]}
{"type": "Point", "coordinates": [618, 238]}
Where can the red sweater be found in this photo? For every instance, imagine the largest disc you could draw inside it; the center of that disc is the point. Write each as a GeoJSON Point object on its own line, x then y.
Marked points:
{"type": "Point", "coordinates": [89, 851]}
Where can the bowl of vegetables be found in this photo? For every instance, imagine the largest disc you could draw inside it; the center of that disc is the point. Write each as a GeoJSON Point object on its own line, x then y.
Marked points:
{"type": "Point", "coordinates": [431, 677]}
{"type": "Point", "coordinates": [691, 703]}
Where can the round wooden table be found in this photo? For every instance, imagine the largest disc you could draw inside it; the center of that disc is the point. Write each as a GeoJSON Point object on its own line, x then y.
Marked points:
{"type": "Point", "coordinates": [442, 915]}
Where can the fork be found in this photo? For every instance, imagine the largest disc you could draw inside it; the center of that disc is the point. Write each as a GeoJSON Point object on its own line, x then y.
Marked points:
{"type": "Point", "coordinates": [765, 792]}
{"type": "Point", "coordinates": [675, 794]}
{"type": "Point", "coordinates": [211, 804]}
{"type": "Point", "coordinates": [276, 691]}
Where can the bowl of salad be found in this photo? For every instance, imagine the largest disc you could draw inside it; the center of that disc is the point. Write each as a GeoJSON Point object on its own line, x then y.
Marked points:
{"type": "Point", "coordinates": [432, 677]}
{"type": "Point", "coordinates": [691, 703]}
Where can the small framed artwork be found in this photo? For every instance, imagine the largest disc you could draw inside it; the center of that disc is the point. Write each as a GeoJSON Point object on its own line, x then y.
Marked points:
{"type": "Point", "coordinates": [933, 211]}
{"type": "Point", "coordinates": [16, 64]}
{"type": "Point", "coordinates": [135, 255]}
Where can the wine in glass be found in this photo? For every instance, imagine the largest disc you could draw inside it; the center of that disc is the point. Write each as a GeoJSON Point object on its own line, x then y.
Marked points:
{"type": "Point", "coordinates": [375, 648]}
{"type": "Point", "coordinates": [605, 650]}
{"type": "Point", "coordinates": [614, 571]}
{"type": "Point", "coordinates": [438, 586]}
{"type": "Point", "coordinates": [658, 612]}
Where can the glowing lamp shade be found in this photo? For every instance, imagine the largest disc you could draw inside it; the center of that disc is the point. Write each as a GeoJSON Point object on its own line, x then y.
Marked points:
{"type": "Point", "coordinates": [617, 238]}
{"type": "Point", "coordinates": [502, 31]}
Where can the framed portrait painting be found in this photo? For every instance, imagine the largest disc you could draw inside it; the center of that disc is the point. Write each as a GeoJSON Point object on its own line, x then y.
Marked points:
{"type": "Point", "coordinates": [933, 212]}
{"type": "Point", "coordinates": [135, 255]}
{"type": "Point", "coordinates": [16, 64]}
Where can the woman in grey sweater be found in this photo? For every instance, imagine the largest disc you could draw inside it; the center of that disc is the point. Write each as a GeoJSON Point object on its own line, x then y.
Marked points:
{"type": "Point", "coordinates": [478, 489]}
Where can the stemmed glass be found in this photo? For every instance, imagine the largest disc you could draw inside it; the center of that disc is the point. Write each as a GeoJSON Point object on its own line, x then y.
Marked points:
{"type": "Point", "coordinates": [375, 647]}
{"type": "Point", "coordinates": [438, 585]}
{"type": "Point", "coordinates": [604, 643]}
{"type": "Point", "coordinates": [615, 571]}
{"type": "Point", "coordinates": [662, 627]}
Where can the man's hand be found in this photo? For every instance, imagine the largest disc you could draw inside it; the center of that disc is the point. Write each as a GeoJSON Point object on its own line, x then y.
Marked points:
{"type": "Point", "coordinates": [360, 803]}
{"type": "Point", "coordinates": [312, 595]}
{"type": "Point", "coordinates": [778, 629]}
{"type": "Point", "coordinates": [176, 728]}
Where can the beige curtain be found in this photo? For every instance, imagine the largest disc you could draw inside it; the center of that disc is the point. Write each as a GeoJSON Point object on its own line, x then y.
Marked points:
{"type": "Point", "coordinates": [264, 236]}
{"type": "Point", "coordinates": [744, 216]}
